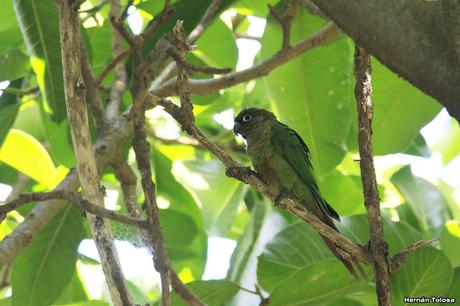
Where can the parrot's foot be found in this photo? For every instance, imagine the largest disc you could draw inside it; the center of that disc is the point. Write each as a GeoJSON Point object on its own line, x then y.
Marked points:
{"type": "Point", "coordinates": [240, 172]}
{"type": "Point", "coordinates": [279, 198]}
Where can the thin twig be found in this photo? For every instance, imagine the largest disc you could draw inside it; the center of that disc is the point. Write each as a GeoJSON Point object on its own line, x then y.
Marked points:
{"type": "Point", "coordinates": [20, 91]}
{"type": "Point", "coordinates": [204, 86]}
{"type": "Point", "coordinates": [194, 68]}
{"type": "Point", "coordinates": [399, 259]}
{"type": "Point", "coordinates": [119, 84]}
{"type": "Point", "coordinates": [117, 23]}
{"type": "Point", "coordinates": [118, 59]}
{"type": "Point", "coordinates": [161, 259]}
{"type": "Point", "coordinates": [92, 93]}
{"type": "Point", "coordinates": [164, 14]}
{"type": "Point", "coordinates": [378, 245]}
{"type": "Point", "coordinates": [286, 21]}
{"type": "Point", "coordinates": [75, 199]}
{"type": "Point", "coordinates": [204, 22]}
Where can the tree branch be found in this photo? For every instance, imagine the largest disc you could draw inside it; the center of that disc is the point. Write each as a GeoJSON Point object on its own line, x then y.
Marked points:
{"type": "Point", "coordinates": [75, 199]}
{"type": "Point", "coordinates": [378, 245]}
{"type": "Point", "coordinates": [86, 163]}
{"type": "Point", "coordinates": [399, 259]}
{"type": "Point", "coordinates": [204, 86]}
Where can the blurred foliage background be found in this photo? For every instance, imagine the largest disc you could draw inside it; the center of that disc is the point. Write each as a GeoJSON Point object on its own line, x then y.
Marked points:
{"type": "Point", "coordinates": [204, 210]}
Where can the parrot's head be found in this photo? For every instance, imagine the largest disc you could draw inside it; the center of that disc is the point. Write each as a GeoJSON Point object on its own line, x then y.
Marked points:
{"type": "Point", "coordinates": [250, 120]}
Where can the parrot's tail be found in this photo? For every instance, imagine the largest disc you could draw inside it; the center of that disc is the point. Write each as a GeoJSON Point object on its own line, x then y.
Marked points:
{"type": "Point", "coordinates": [349, 260]}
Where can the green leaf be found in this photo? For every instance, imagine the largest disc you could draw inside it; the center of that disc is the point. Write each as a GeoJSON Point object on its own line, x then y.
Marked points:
{"type": "Point", "coordinates": [395, 124]}
{"type": "Point", "coordinates": [427, 272]}
{"type": "Point", "coordinates": [39, 23]}
{"type": "Point", "coordinates": [43, 270]}
{"type": "Point", "coordinates": [24, 153]}
{"type": "Point", "coordinates": [9, 29]}
{"type": "Point", "coordinates": [254, 8]}
{"type": "Point", "coordinates": [450, 242]}
{"type": "Point", "coordinates": [219, 195]}
{"type": "Point", "coordinates": [101, 50]}
{"type": "Point", "coordinates": [316, 284]}
{"type": "Point", "coordinates": [212, 293]}
{"type": "Point", "coordinates": [15, 64]}
{"type": "Point", "coordinates": [302, 89]}
{"type": "Point", "coordinates": [448, 141]}
{"type": "Point", "coordinates": [217, 46]}
{"type": "Point", "coordinates": [9, 108]}
{"type": "Point", "coordinates": [454, 290]}
{"type": "Point", "coordinates": [343, 192]}
{"type": "Point", "coordinates": [74, 292]}
{"type": "Point", "coordinates": [427, 202]}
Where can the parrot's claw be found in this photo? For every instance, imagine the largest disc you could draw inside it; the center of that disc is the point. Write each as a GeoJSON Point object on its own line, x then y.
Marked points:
{"type": "Point", "coordinates": [279, 197]}
{"type": "Point", "coordinates": [239, 172]}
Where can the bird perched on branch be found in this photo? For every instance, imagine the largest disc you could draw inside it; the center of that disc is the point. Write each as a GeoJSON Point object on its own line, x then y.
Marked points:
{"type": "Point", "coordinates": [282, 160]}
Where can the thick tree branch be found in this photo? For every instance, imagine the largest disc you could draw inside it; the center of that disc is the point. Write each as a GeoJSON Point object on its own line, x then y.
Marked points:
{"type": "Point", "coordinates": [419, 40]}
{"type": "Point", "coordinates": [378, 245]}
{"type": "Point", "coordinates": [86, 163]}
{"type": "Point", "coordinates": [75, 199]}
{"type": "Point", "coordinates": [204, 86]}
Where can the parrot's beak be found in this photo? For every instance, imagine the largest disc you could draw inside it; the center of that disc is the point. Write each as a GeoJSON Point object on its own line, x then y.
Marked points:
{"type": "Point", "coordinates": [236, 128]}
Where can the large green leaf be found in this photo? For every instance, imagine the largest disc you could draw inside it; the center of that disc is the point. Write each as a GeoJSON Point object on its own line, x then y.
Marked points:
{"type": "Point", "coordinates": [419, 147]}
{"type": "Point", "coordinates": [212, 293]}
{"type": "Point", "coordinates": [217, 46]}
{"type": "Point", "coordinates": [9, 29]}
{"type": "Point", "coordinates": [396, 124]}
{"type": "Point", "coordinates": [100, 39]}
{"type": "Point", "coordinates": [450, 242]}
{"type": "Point", "coordinates": [316, 284]}
{"type": "Point", "coordinates": [312, 93]}
{"type": "Point", "coordinates": [219, 195]}
{"type": "Point", "coordinates": [43, 270]}
{"type": "Point", "coordinates": [427, 202]}
{"type": "Point", "coordinates": [9, 108]}
{"type": "Point", "coordinates": [39, 22]}
{"type": "Point", "coordinates": [343, 192]}
{"type": "Point", "coordinates": [15, 65]}
{"type": "Point", "coordinates": [427, 272]}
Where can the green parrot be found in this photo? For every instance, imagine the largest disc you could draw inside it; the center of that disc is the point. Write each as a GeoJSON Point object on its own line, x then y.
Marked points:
{"type": "Point", "coordinates": [282, 160]}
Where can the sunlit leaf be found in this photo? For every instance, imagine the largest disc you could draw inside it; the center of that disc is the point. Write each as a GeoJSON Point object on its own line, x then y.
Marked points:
{"type": "Point", "coordinates": [24, 153]}
{"type": "Point", "coordinates": [395, 124]}
{"type": "Point", "coordinates": [74, 292]}
{"type": "Point", "coordinates": [450, 242]}
{"type": "Point", "coordinates": [42, 271]}
{"type": "Point", "coordinates": [303, 89]}
{"type": "Point", "coordinates": [39, 23]}
{"type": "Point", "coordinates": [419, 147]}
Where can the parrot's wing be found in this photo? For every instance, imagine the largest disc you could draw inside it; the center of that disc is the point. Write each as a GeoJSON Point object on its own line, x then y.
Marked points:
{"type": "Point", "coordinates": [290, 145]}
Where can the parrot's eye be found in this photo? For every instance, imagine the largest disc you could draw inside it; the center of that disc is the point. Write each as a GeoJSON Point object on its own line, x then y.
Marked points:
{"type": "Point", "coordinates": [247, 118]}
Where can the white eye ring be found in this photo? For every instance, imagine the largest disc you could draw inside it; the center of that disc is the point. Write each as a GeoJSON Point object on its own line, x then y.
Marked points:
{"type": "Point", "coordinates": [247, 118]}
